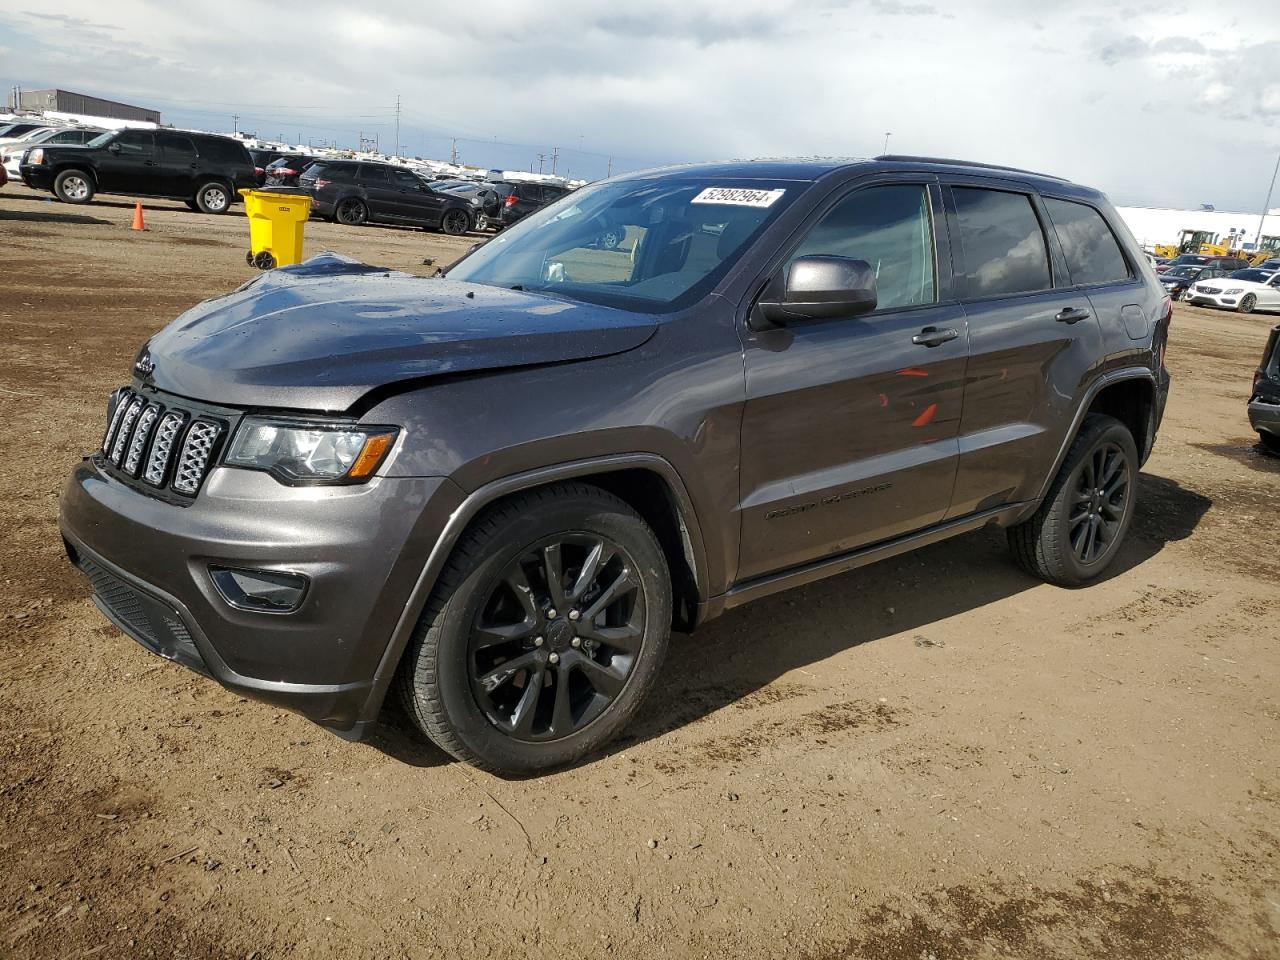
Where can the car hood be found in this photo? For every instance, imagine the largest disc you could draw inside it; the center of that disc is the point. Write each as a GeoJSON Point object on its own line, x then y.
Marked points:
{"type": "Point", "coordinates": [321, 334]}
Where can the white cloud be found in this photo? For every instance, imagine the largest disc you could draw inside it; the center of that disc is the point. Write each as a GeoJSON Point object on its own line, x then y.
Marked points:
{"type": "Point", "coordinates": [1150, 102]}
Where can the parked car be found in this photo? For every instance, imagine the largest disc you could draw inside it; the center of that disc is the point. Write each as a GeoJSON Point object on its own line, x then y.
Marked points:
{"type": "Point", "coordinates": [1243, 291]}
{"type": "Point", "coordinates": [516, 199]}
{"type": "Point", "coordinates": [4, 176]}
{"type": "Point", "coordinates": [11, 155]}
{"type": "Point", "coordinates": [494, 493]}
{"type": "Point", "coordinates": [1273, 264]}
{"type": "Point", "coordinates": [356, 192]}
{"type": "Point", "coordinates": [12, 131]}
{"type": "Point", "coordinates": [1204, 260]}
{"type": "Point", "coordinates": [203, 169]}
{"type": "Point", "coordinates": [1176, 280]}
{"type": "Point", "coordinates": [284, 171]}
{"type": "Point", "coordinates": [1264, 402]}
{"type": "Point", "coordinates": [25, 136]}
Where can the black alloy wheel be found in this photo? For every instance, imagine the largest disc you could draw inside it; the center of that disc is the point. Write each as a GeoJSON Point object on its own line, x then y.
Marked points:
{"type": "Point", "coordinates": [556, 640]}
{"type": "Point", "coordinates": [455, 222]}
{"type": "Point", "coordinates": [1098, 508]}
{"type": "Point", "coordinates": [351, 212]}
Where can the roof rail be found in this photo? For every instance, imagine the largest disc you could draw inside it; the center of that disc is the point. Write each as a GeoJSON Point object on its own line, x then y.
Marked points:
{"type": "Point", "coordinates": [903, 158]}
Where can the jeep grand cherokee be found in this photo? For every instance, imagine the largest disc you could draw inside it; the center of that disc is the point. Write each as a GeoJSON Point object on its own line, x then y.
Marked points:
{"type": "Point", "coordinates": [495, 493]}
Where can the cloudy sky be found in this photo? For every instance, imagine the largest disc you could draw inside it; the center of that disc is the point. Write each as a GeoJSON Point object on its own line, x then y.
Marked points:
{"type": "Point", "coordinates": [1157, 103]}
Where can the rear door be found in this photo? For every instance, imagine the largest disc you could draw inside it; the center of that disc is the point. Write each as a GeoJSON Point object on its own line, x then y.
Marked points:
{"type": "Point", "coordinates": [129, 164]}
{"type": "Point", "coordinates": [850, 424]}
{"type": "Point", "coordinates": [178, 164]}
{"type": "Point", "coordinates": [380, 195]}
{"type": "Point", "coordinates": [1033, 342]}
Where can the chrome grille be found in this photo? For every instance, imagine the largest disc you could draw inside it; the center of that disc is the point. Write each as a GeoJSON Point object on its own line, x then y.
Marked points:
{"type": "Point", "coordinates": [161, 445]}
{"type": "Point", "coordinates": [126, 426]}
{"type": "Point", "coordinates": [195, 456]}
{"type": "Point", "coordinates": [1213, 290]}
{"type": "Point", "coordinates": [166, 434]}
{"type": "Point", "coordinates": [141, 434]}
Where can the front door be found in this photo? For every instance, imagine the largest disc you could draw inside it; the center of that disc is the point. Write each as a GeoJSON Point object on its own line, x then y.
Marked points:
{"type": "Point", "coordinates": [129, 165]}
{"type": "Point", "coordinates": [849, 434]}
{"type": "Point", "coordinates": [415, 201]}
{"type": "Point", "coordinates": [1033, 344]}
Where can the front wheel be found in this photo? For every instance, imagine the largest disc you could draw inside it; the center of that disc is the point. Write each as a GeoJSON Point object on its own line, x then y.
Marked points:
{"type": "Point", "coordinates": [73, 186]}
{"type": "Point", "coordinates": [1270, 442]}
{"type": "Point", "coordinates": [544, 633]}
{"type": "Point", "coordinates": [455, 222]}
{"type": "Point", "coordinates": [1247, 303]}
{"type": "Point", "coordinates": [1077, 532]}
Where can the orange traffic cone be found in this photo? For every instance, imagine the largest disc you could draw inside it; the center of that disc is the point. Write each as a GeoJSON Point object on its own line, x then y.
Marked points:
{"type": "Point", "coordinates": [138, 222]}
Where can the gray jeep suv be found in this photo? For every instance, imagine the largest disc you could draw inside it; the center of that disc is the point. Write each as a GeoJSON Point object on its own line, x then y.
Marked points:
{"type": "Point", "coordinates": [496, 492]}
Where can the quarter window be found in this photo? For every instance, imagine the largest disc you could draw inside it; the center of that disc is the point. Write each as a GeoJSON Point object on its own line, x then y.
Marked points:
{"type": "Point", "coordinates": [890, 227]}
{"type": "Point", "coordinates": [1004, 248]}
{"type": "Point", "coordinates": [1092, 254]}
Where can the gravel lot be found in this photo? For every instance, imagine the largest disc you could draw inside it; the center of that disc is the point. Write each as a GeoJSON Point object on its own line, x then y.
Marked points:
{"type": "Point", "coordinates": [935, 757]}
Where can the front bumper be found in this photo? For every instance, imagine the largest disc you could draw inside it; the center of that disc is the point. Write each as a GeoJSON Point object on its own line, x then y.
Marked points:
{"type": "Point", "coordinates": [361, 547]}
{"type": "Point", "coordinates": [1265, 417]}
{"type": "Point", "coordinates": [1200, 299]}
{"type": "Point", "coordinates": [36, 176]}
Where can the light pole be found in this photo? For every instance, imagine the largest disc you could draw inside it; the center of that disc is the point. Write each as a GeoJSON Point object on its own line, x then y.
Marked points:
{"type": "Point", "coordinates": [886, 142]}
{"type": "Point", "coordinates": [1257, 240]}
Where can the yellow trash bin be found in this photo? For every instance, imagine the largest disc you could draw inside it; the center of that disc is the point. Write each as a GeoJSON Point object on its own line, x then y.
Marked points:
{"type": "Point", "coordinates": [275, 227]}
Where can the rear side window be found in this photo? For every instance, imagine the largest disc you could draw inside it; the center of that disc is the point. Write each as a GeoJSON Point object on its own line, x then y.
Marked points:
{"type": "Point", "coordinates": [1004, 249]}
{"type": "Point", "coordinates": [1093, 255]}
{"type": "Point", "coordinates": [372, 173]}
{"type": "Point", "coordinates": [890, 227]}
{"type": "Point", "coordinates": [177, 149]}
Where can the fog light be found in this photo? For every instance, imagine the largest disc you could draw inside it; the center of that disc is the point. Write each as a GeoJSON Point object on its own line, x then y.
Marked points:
{"type": "Point", "coordinates": [263, 591]}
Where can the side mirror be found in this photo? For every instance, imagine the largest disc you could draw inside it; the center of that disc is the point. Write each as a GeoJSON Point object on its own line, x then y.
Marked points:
{"type": "Point", "coordinates": [823, 288]}
{"type": "Point", "coordinates": [113, 147]}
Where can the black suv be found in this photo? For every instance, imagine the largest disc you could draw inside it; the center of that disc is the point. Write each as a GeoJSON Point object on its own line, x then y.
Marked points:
{"type": "Point", "coordinates": [355, 192]}
{"type": "Point", "coordinates": [200, 168]}
{"type": "Point", "coordinates": [495, 493]}
{"type": "Point", "coordinates": [509, 201]}
{"type": "Point", "coordinates": [1264, 402]}
{"type": "Point", "coordinates": [284, 171]}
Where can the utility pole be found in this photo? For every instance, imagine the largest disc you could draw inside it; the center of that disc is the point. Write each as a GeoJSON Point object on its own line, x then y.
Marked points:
{"type": "Point", "coordinates": [397, 124]}
{"type": "Point", "coordinates": [886, 142]}
{"type": "Point", "coordinates": [453, 153]}
{"type": "Point", "coordinates": [1257, 241]}
{"type": "Point", "coordinates": [235, 122]}
{"type": "Point", "coordinates": [609, 172]}
{"type": "Point", "coordinates": [541, 157]}
{"type": "Point", "coordinates": [555, 155]}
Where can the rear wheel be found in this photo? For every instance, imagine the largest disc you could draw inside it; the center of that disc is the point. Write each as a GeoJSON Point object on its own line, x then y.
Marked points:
{"type": "Point", "coordinates": [213, 197]}
{"type": "Point", "coordinates": [1270, 443]}
{"type": "Point", "coordinates": [1247, 303]}
{"type": "Point", "coordinates": [351, 211]}
{"type": "Point", "coordinates": [544, 633]}
{"type": "Point", "coordinates": [455, 222]}
{"type": "Point", "coordinates": [1077, 532]}
{"type": "Point", "coordinates": [73, 186]}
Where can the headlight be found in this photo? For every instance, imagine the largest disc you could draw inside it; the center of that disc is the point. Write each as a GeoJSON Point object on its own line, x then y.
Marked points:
{"type": "Point", "coordinates": [1236, 290]}
{"type": "Point", "coordinates": [36, 155]}
{"type": "Point", "coordinates": [295, 451]}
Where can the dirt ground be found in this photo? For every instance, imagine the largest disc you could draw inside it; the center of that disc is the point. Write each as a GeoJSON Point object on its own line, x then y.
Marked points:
{"type": "Point", "coordinates": [932, 758]}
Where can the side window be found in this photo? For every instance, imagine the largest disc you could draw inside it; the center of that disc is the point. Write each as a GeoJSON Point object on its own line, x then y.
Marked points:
{"type": "Point", "coordinates": [1093, 256]}
{"type": "Point", "coordinates": [135, 143]}
{"type": "Point", "coordinates": [177, 149]}
{"type": "Point", "coordinates": [1004, 248]}
{"type": "Point", "coordinates": [531, 192]}
{"type": "Point", "coordinates": [403, 178]}
{"type": "Point", "coordinates": [891, 228]}
{"type": "Point", "coordinates": [373, 174]}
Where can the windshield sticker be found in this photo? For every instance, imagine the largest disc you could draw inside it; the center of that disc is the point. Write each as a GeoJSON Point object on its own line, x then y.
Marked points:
{"type": "Point", "coordinates": [736, 197]}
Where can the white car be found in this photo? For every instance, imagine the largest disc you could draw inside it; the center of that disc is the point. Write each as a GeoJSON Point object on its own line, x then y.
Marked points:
{"type": "Point", "coordinates": [11, 152]}
{"type": "Point", "coordinates": [1243, 291]}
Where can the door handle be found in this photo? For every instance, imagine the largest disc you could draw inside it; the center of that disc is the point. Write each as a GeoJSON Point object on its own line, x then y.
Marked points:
{"type": "Point", "coordinates": [933, 337]}
{"type": "Point", "coordinates": [1072, 315]}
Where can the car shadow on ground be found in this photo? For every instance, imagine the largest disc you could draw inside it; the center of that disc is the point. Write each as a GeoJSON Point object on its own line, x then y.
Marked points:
{"type": "Point", "coordinates": [32, 216]}
{"type": "Point", "coordinates": [749, 648]}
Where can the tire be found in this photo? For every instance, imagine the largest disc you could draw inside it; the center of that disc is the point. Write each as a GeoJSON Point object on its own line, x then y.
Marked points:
{"type": "Point", "coordinates": [455, 222]}
{"type": "Point", "coordinates": [466, 688]}
{"type": "Point", "coordinates": [73, 186]}
{"type": "Point", "coordinates": [1247, 303]}
{"type": "Point", "coordinates": [1049, 544]}
{"type": "Point", "coordinates": [191, 204]}
{"type": "Point", "coordinates": [1270, 443]}
{"type": "Point", "coordinates": [213, 197]}
{"type": "Point", "coordinates": [351, 211]}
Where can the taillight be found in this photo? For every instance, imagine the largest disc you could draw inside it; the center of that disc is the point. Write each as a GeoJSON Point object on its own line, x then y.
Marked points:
{"type": "Point", "coordinates": [321, 183]}
{"type": "Point", "coordinates": [511, 201]}
{"type": "Point", "coordinates": [285, 172]}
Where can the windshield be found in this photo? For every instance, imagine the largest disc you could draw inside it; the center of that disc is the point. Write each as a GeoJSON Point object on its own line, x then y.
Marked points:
{"type": "Point", "coordinates": [651, 245]}
{"type": "Point", "coordinates": [1253, 276]}
{"type": "Point", "coordinates": [102, 139]}
{"type": "Point", "coordinates": [1188, 272]}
